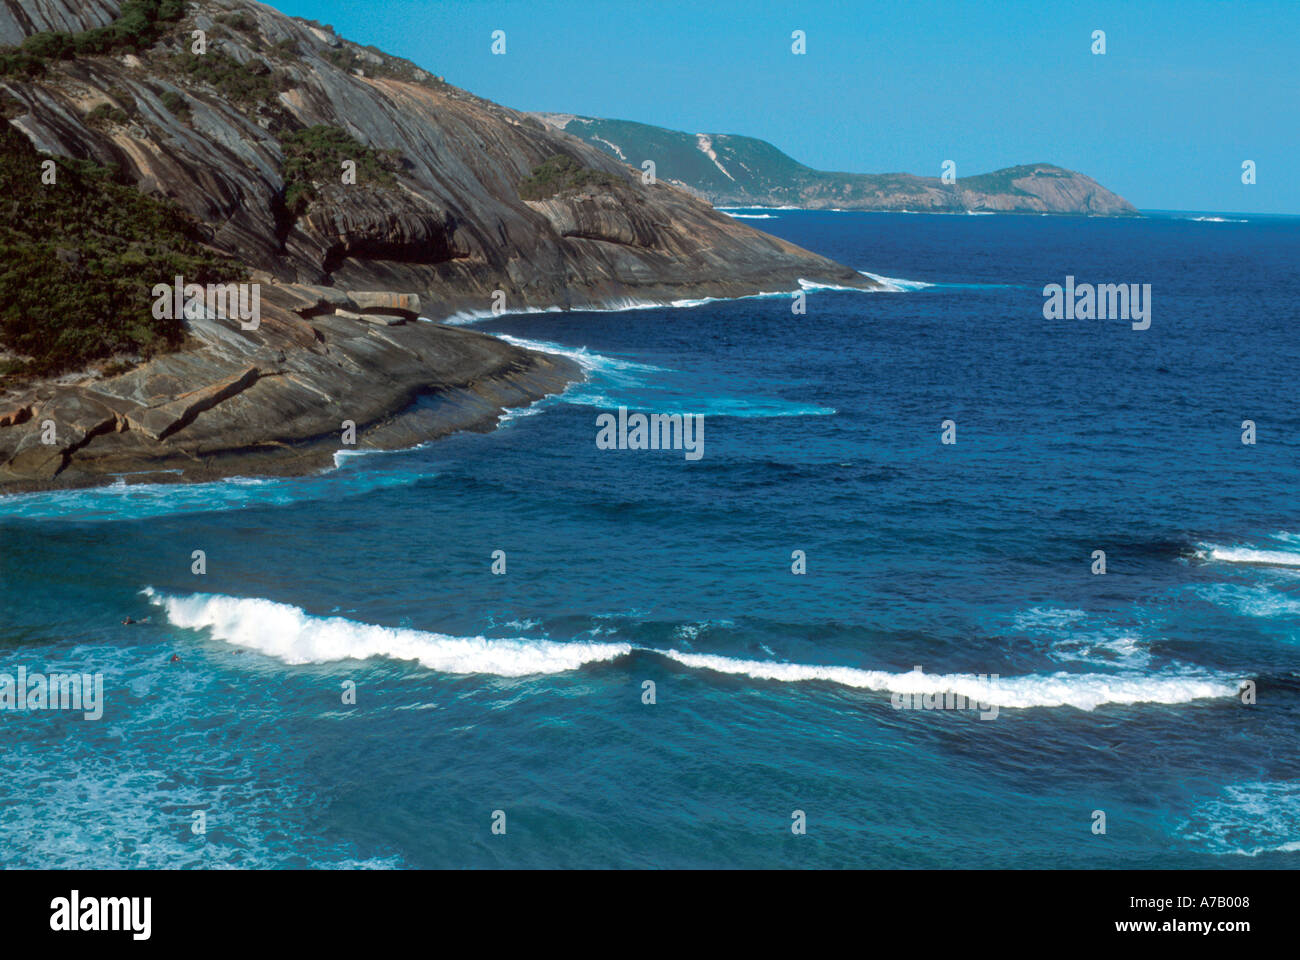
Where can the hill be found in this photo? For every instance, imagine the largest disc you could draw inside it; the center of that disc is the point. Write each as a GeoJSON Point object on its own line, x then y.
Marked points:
{"type": "Point", "coordinates": [730, 170]}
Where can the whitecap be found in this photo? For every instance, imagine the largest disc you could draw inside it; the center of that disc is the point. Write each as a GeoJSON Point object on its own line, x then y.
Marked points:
{"type": "Point", "coordinates": [1248, 555]}
{"type": "Point", "coordinates": [294, 636]}
{"type": "Point", "coordinates": [1082, 691]}
{"type": "Point", "coordinates": [896, 285]}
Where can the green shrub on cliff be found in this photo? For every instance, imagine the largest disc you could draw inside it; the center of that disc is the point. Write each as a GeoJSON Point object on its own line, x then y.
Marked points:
{"type": "Point", "coordinates": [561, 174]}
{"type": "Point", "coordinates": [314, 157]}
{"type": "Point", "coordinates": [50, 46]}
{"type": "Point", "coordinates": [20, 64]}
{"type": "Point", "coordinates": [349, 59]}
{"type": "Point", "coordinates": [79, 258]}
{"type": "Point", "coordinates": [238, 21]}
{"type": "Point", "coordinates": [138, 26]}
{"type": "Point", "coordinates": [244, 84]}
{"type": "Point", "coordinates": [107, 113]}
{"type": "Point", "coordinates": [177, 105]}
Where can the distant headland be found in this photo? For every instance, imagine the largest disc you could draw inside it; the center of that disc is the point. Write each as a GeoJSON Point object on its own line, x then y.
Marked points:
{"type": "Point", "coordinates": [729, 170]}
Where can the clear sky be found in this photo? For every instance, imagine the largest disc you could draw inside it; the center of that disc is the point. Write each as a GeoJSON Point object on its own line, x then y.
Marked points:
{"type": "Point", "coordinates": [1185, 92]}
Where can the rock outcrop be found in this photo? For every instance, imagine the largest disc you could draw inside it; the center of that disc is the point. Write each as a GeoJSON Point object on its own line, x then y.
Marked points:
{"type": "Point", "coordinates": [452, 228]}
{"type": "Point", "coordinates": [19, 19]}
{"type": "Point", "coordinates": [277, 399]}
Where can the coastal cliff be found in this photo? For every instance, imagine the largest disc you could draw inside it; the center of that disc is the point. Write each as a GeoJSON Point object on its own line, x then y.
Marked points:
{"type": "Point", "coordinates": [324, 172]}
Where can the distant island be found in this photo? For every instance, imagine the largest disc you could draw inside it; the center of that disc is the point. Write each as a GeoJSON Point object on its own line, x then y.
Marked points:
{"type": "Point", "coordinates": [730, 170]}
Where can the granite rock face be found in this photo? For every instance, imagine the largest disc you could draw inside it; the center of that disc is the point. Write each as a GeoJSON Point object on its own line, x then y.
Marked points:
{"type": "Point", "coordinates": [453, 229]}
{"type": "Point", "coordinates": [21, 18]}
{"type": "Point", "coordinates": [344, 279]}
{"type": "Point", "coordinates": [277, 399]}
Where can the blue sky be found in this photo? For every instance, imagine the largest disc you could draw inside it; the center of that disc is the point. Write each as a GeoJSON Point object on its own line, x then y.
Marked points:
{"type": "Point", "coordinates": [1185, 92]}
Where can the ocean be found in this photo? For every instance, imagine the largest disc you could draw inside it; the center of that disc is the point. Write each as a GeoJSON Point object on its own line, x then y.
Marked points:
{"type": "Point", "coordinates": [649, 683]}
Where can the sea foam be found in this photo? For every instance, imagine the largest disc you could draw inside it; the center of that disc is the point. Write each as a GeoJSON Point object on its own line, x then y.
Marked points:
{"type": "Point", "coordinates": [897, 285]}
{"type": "Point", "coordinates": [1248, 819]}
{"type": "Point", "coordinates": [296, 637]}
{"type": "Point", "coordinates": [290, 634]}
{"type": "Point", "coordinates": [1248, 555]}
{"type": "Point", "coordinates": [1082, 691]}
{"type": "Point", "coordinates": [616, 381]}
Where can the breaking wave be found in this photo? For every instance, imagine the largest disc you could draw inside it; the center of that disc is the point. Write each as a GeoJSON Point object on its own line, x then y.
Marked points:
{"type": "Point", "coordinates": [296, 637]}
{"type": "Point", "coordinates": [1253, 555]}
{"type": "Point", "coordinates": [617, 381]}
{"type": "Point", "coordinates": [895, 285]}
{"type": "Point", "coordinates": [1083, 691]}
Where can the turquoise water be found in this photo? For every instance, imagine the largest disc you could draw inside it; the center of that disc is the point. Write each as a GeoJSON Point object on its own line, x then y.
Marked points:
{"type": "Point", "coordinates": [523, 692]}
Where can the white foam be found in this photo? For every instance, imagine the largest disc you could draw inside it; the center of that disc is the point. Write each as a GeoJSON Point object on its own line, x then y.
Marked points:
{"type": "Point", "coordinates": [811, 285]}
{"type": "Point", "coordinates": [752, 216]}
{"type": "Point", "coordinates": [344, 454]}
{"type": "Point", "coordinates": [1248, 819]}
{"type": "Point", "coordinates": [614, 305]}
{"type": "Point", "coordinates": [1254, 601]}
{"type": "Point", "coordinates": [462, 317]}
{"type": "Point", "coordinates": [1048, 617]}
{"type": "Point", "coordinates": [1074, 637]}
{"type": "Point", "coordinates": [895, 285]}
{"type": "Point", "coordinates": [590, 362]}
{"type": "Point", "coordinates": [528, 624]}
{"type": "Point", "coordinates": [624, 304]}
{"type": "Point", "coordinates": [1083, 691]}
{"type": "Point", "coordinates": [296, 637]}
{"type": "Point", "coordinates": [519, 413]}
{"type": "Point", "coordinates": [1249, 555]}
{"type": "Point", "coordinates": [621, 377]}
{"type": "Point", "coordinates": [1123, 649]}
{"type": "Point", "coordinates": [120, 500]}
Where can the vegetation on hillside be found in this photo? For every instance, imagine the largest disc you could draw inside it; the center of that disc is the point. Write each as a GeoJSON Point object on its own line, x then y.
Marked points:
{"type": "Point", "coordinates": [562, 174]}
{"type": "Point", "coordinates": [177, 105]}
{"type": "Point", "coordinates": [138, 27]}
{"type": "Point", "coordinates": [353, 60]}
{"type": "Point", "coordinates": [1004, 181]}
{"type": "Point", "coordinates": [79, 257]}
{"type": "Point", "coordinates": [730, 169]}
{"type": "Point", "coordinates": [313, 157]}
{"type": "Point", "coordinates": [78, 261]}
{"type": "Point", "coordinates": [244, 84]}
{"type": "Point", "coordinates": [751, 164]}
{"type": "Point", "coordinates": [106, 113]}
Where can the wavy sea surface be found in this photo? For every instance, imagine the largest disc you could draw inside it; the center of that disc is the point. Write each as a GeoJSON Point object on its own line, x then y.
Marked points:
{"type": "Point", "coordinates": [932, 571]}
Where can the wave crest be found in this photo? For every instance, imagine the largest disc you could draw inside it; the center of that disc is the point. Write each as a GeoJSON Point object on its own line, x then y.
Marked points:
{"type": "Point", "coordinates": [295, 636]}
{"type": "Point", "coordinates": [290, 634]}
{"type": "Point", "coordinates": [1250, 555]}
{"type": "Point", "coordinates": [1083, 691]}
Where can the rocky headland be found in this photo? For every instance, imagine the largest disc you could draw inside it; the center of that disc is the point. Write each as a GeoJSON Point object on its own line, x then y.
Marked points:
{"type": "Point", "coordinates": [454, 204]}
{"type": "Point", "coordinates": [731, 170]}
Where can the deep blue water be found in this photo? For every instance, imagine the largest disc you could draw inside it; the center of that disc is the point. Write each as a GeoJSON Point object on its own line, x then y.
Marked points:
{"type": "Point", "coordinates": [1116, 692]}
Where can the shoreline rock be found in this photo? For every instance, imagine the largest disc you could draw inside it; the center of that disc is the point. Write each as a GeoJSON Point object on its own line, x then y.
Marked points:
{"type": "Point", "coordinates": [272, 401]}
